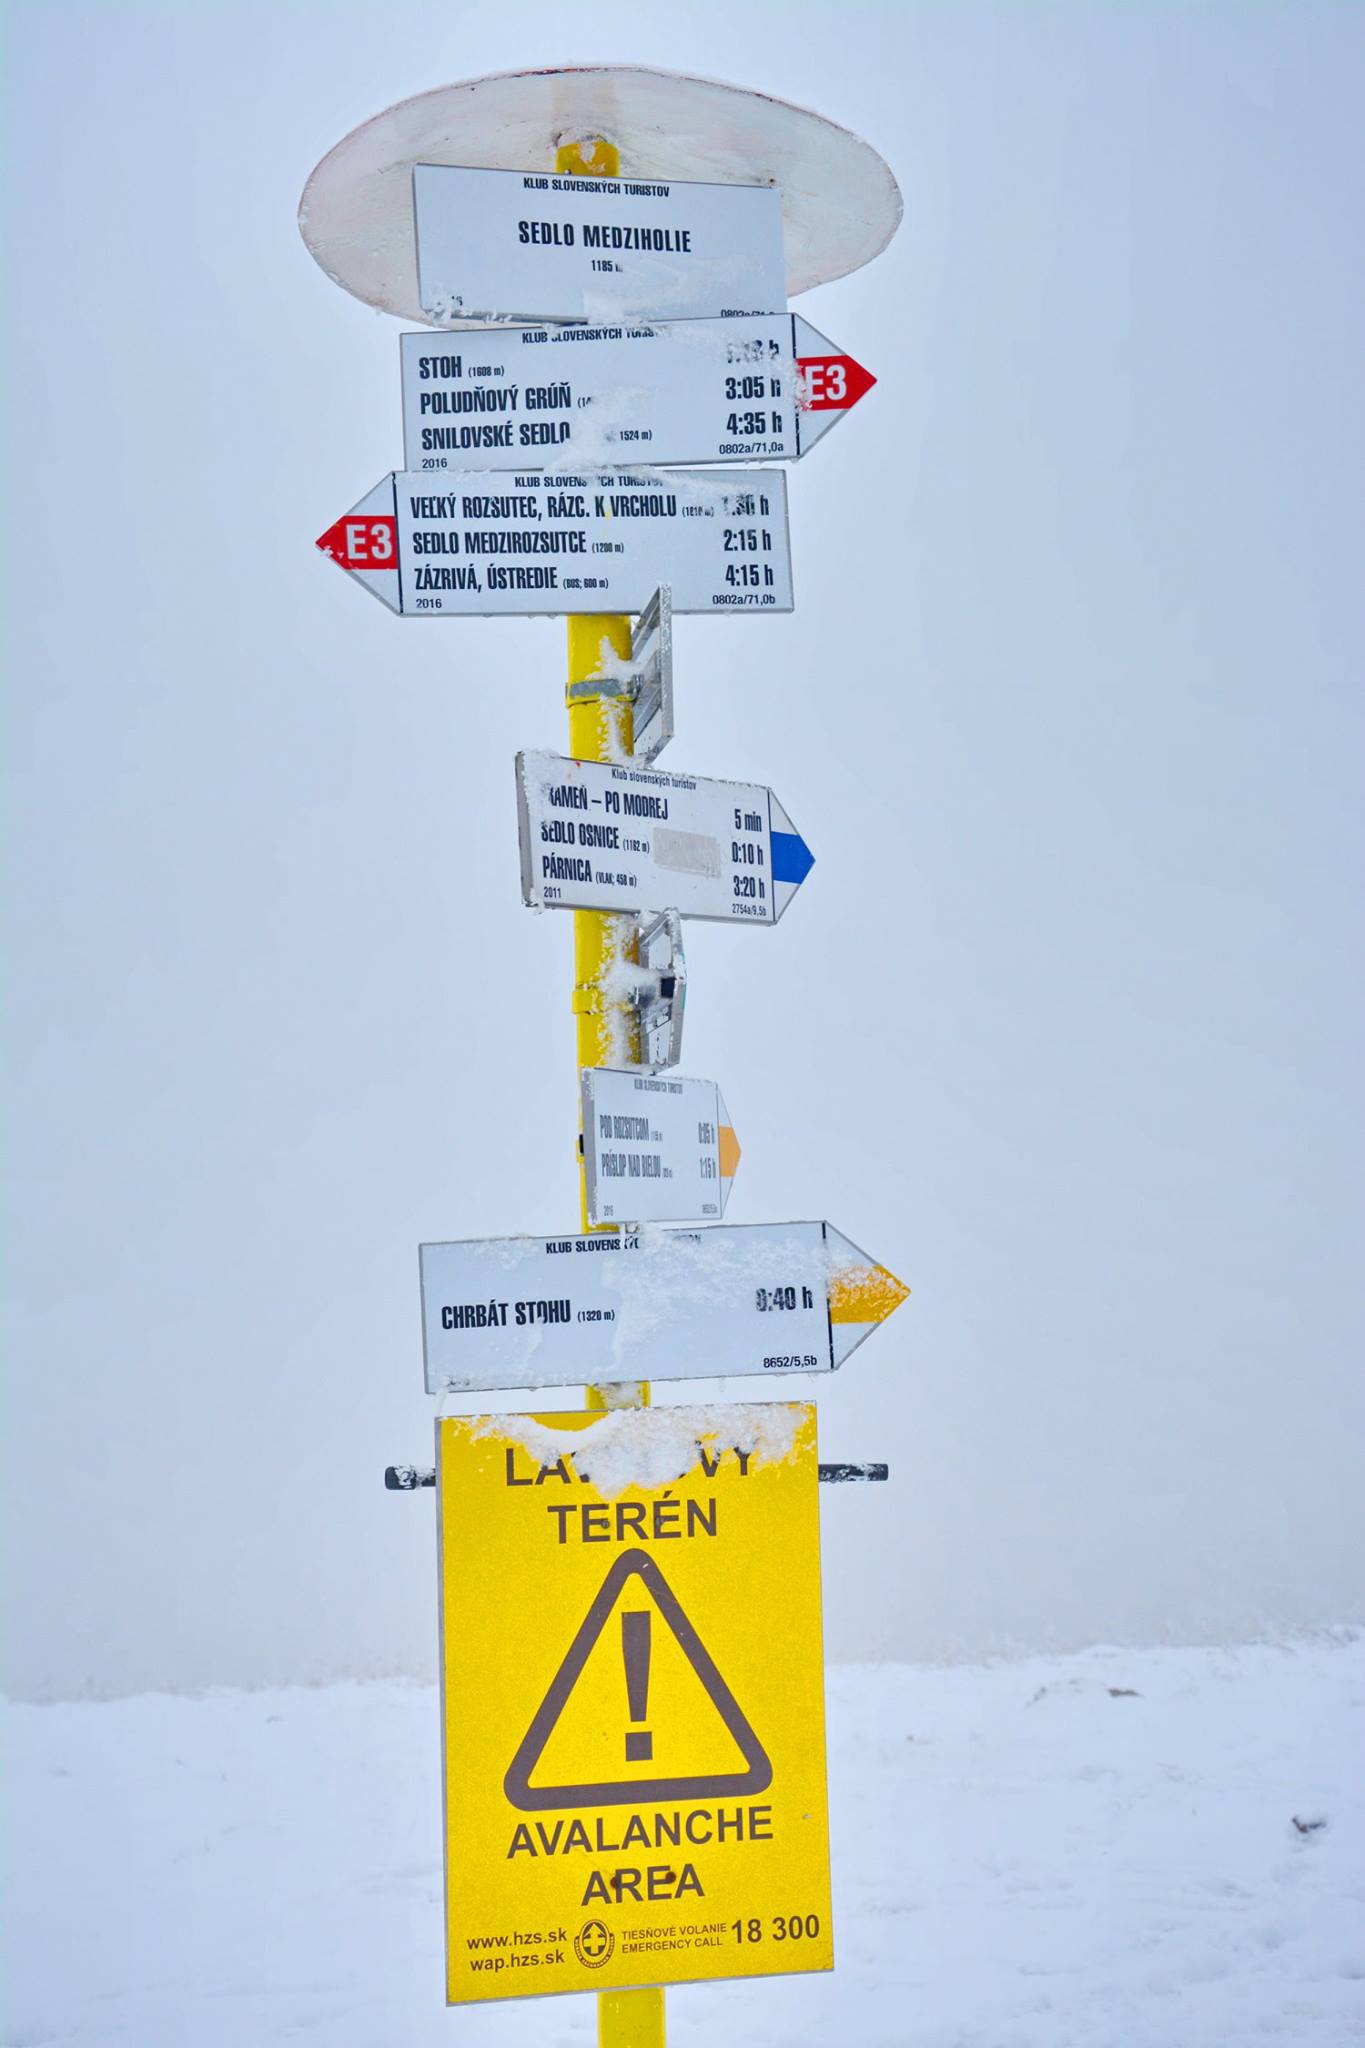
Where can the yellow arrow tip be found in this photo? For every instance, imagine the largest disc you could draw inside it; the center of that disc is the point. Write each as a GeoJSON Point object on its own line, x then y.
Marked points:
{"type": "Point", "coordinates": [729, 1151]}
{"type": "Point", "coordinates": [864, 1294]}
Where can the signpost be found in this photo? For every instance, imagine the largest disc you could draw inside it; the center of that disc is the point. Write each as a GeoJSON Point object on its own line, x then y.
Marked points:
{"type": "Point", "coordinates": [656, 1149]}
{"type": "Point", "coordinates": [611, 836]}
{"type": "Point", "coordinates": [599, 540]}
{"type": "Point", "coordinates": [530, 245]}
{"type": "Point", "coordinates": [633, 1699]}
{"type": "Point", "coordinates": [681, 391]}
{"type": "Point", "coordinates": [764, 1298]}
{"type": "Point", "coordinates": [630, 1600]}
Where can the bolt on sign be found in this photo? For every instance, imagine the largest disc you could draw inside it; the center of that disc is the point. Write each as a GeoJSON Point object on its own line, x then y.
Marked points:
{"type": "Point", "coordinates": [634, 1721]}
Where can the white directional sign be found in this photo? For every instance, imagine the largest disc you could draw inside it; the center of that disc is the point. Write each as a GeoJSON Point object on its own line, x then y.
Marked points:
{"type": "Point", "coordinates": [682, 391]}
{"type": "Point", "coordinates": [594, 541]}
{"type": "Point", "coordinates": [598, 835]}
{"type": "Point", "coordinates": [766, 1298]}
{"type": "Point", "coordinates": [530, 245]}
{"type": "Point", "coordinates": [656, 1148]}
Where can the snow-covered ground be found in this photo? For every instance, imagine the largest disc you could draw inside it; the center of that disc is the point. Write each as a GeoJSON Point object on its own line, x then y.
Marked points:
{"type": "Point", "coordinates": [1095, 1851]}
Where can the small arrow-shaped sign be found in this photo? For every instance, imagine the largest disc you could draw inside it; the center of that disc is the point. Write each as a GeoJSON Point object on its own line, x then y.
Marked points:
{"type": "Point", "coordinates": [764, 1298]}
{"type": "Point", "coordinates": [656, 1148]}
{"type": "Point", "coordinates": [594, 541]}
{"type": "Point", "coordinates": [757, 388]}
{"type": "Point", "coordinates": [603, 836]}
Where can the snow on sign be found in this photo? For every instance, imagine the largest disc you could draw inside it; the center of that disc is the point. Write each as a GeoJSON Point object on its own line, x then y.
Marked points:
{"type": "Point", "coordinates": [456, 545]}
{"type": "Point", "coordinates": [632, 1698]}
{"type": "Point", "coordinates": [651, 1304]}
{"type": "Point", "coordinates": [531, 246]}
{"type": "Point", "coordinates": [684, 391]}
{"type": "Point", "coordinates": [657, 1148]}
{"type": "Point", "coordinates": [610, 836]}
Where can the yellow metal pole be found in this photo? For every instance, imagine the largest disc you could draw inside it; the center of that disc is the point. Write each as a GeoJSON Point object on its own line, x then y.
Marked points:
{"type": "Point", "coordinates": [602, 728]}
{"type": "Point", "coordinates": [631, 2019]}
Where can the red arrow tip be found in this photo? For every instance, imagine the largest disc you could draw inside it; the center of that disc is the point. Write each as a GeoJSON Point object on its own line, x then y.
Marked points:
{"type": "Point", "coordinates": [833, 383]}
{"type": "Point", "coordinates": [362, 541]}
{"type": "Point", "coordinates": [860, 381]}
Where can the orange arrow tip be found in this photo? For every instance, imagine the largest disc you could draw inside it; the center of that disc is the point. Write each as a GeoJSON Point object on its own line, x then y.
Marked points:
{"type": "Point", "coordinates": [729, 1151]}
{"type": "Point", "coordinates": [865, 1294]}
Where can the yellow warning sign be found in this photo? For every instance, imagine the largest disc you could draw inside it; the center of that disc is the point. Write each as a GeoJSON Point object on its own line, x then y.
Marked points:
{"type": "Point", "coordinates": [633, 1698]}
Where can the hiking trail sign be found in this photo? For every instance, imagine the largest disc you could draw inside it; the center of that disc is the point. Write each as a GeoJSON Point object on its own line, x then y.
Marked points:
{"type": "Point", "coordinates": [632, 1695]}
{"type": "Point", "coordinates": [598, 835]}
{"type": "Point", "coordinates": [500, 245]}
{"type": "Point", "coordinates": [660, 1304]}
{"type": "Point", "coordinates": [432, 546]}
{"type": "Point", "coordinates": [678, 391]}
{"type": "Point", "coordinates": [657, 1148]}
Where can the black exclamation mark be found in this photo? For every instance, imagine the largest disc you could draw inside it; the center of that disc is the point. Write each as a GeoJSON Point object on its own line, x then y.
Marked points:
{"type": "Point", "coordinates": [635, 1650]}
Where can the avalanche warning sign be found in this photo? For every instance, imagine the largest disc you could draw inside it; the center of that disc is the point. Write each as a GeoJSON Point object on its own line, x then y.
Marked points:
{"type": "Point", "coordinates": [633, 1698]}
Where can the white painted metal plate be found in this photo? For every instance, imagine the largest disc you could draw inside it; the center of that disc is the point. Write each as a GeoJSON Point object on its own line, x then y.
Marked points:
{"type": "Point", "coordinates": [766, 1298]}
{"type": "Point", "coordinates": [644, 1020]}
{"type": "Point", "coordinates": [651, 659]}
{"type": "Point", "coordinates": [532, 245]}
{"type": "Point", "coordinates": [590, 541]}
{"type": "Point", "coordinates": [599, 835]}
{"type": "Point", "coordinates": [656, 1148]}
{"type": "Point", "coordinates": [681, 391]}
{"type": "Point", "coordinates": [840, 203]}
{"type": "Point", "coordinates": [659, 1015]}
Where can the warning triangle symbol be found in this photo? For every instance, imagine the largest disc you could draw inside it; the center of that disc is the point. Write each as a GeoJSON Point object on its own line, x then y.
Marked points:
{"type": "Point", "coordinates": [540, 1798]}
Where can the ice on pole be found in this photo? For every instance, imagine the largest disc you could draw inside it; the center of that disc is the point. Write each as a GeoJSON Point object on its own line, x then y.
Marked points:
{"type": "Point", "coordinates": [759, 1298]}
{"type": "Point", "coordinates": [614, 836]}
{"type": "Point", "coordinates": [468, 544]}
{"type": "Point", "coordinates": [676, 391]}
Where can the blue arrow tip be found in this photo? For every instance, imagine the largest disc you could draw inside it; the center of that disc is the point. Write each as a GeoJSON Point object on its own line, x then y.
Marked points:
{"type": "Point", "coordinates": [792, 858]}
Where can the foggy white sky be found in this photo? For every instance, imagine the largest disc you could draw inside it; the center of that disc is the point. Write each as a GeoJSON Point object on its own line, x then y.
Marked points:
{"type": "Point", "coordinates": [1065, 1025]}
